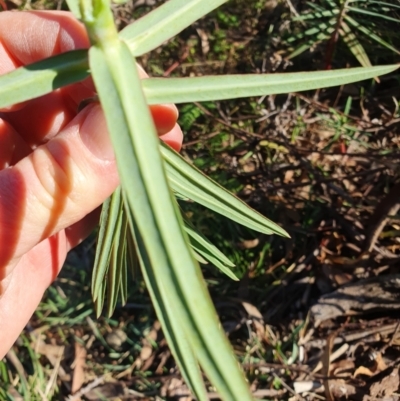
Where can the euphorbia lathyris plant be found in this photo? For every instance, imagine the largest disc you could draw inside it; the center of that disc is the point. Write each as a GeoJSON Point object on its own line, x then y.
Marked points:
{"type": "Point", "coordinates": [135, 226]}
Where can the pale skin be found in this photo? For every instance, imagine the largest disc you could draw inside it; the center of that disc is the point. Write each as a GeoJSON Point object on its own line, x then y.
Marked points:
{"type": "Point", "coordinates": [56, 167]}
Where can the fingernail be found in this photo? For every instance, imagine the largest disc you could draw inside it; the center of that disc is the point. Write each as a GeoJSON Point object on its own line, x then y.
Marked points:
{"type": "Point", "coordinates": [173, 107]}
{"type": "Point", "coordinates": [94, 134]}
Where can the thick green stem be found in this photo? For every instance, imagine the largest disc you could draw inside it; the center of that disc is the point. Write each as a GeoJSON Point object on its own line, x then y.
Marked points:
{"type": "Point", "coordinates": [99, 22]}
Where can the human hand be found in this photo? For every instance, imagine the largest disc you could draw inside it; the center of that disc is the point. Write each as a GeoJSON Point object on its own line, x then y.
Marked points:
{"type": "Point", "coordinates": [57, 166]}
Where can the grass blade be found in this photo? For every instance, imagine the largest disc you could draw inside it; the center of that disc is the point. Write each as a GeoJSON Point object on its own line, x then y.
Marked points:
{"type": "Point", "coordinates": [165, 22]}
{"type": "Point", "coordinates": [199, 89]}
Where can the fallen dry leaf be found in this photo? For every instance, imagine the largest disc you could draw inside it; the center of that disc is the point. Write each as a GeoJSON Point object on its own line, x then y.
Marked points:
{"type": "Point", "coordinates": [78, 376]}
{"type": "Point", "coordinates": [387, 386]}
{"type": "Point", "coordinates": [342, 389]}
{"type": "Point", "coordinates": [256, 318]}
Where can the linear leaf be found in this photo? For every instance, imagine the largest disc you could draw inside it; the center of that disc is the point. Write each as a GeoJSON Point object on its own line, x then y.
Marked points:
{"type": "Point", "coordinates": [101, 296]}
{"type": "Point", "coordinates": [73, 6]}
{"type": "Point", "coordinates": [150, 201]}
{"type": "Point", "coordinates": [354, 45]}
{"type": "Point", "coordinates": [200, 241]}
{"type": "Point", "coordinates": [370, 34]}
{"type": "Point", "coordinates": [108, 221]}
{"type": "Point", "coordinates": [132, 258]}
{"type": "Point", "coordinates": [199, 89]}
{"type": "Point", "coordinates": [302, 48]}
{"type": "Point", "coordinates": [373, 14]}
{"type": "Point", "coordinates": [379, 3]}
{"type": "Point", "coordinates": [199, 258]}
{"type": "Point", "coordinates": [203, 247]}
{"type": "Point", "coordinates": [190, 182]}
{"type": "Point", "coordinates": [173, 332]}
{"type": "Point", "coordinates": [210, 252]}
{"type": "Point", "coordinates": [126, 259]}
{"type": "Point", "coordinates": [43, 77]}
{"type": "Point", "coordinates": [115, 270]}
{"type": "Point", "coordinates": [164, 22]}
{"type": "Point", "coordinates": [317, 15]}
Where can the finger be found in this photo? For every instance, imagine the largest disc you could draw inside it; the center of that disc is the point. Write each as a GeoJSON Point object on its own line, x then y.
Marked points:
{"type": "Point", "coordinates": [42, 118]}
{"type": "Point", "coordinates": [12, 147]}
{"type": "Point", "coordinates": [164, 117]}
{"type": "Point", "coordinates": [18, 297]}
{"type": "Point", "coordinates": [22, 34]}
{"type": "Point", "coordinates": [32, 36]}
{"type": "Point", "coordinates": [27, 284]}
{"type": "Point", "coordinates": [21, 42]}
{"type": "Point", "coordinates": [173, 138]}
{"type": "Point", "coordinates": [79, 231]}
{"type": "Point", "coordinates": [55, 186]}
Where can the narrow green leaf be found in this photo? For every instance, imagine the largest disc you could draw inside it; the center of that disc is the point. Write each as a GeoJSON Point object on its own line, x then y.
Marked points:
{"type": "Point", "coordinates": [73, 6]}
{"type": "Point", "coordinates": [101, 296]}
{"type": "Point", "coordinates": [155, 213]}
{"type": "Point", "coordinates": [314, 35]}
{"type": "Point", "coordinates": [321, 13]}
{"type": "Point", "coordinates": [201, 89]}
{"type": "Point", "coordinates": [210, 252]}
{"type": "Point", "coordinates": [125, 258]}
{"type": "Point", "coordinates": [174, 333]}
{"type": "Point", "coordinates": [201, 240]}
{"type": "Point", "coordinates": [302, 48]}
{"type": "Point", "coordinates": [369, 33]}
{"type": "Point", "coordinates": [199, 258]}
{"type": "Point", "coordinates": [164, 22]}
{"type": "Point", "coordinates": [217, 263]}
{"type": "Point", "coordinates": [373, 14]}
{"type": "Point", "coordinates": [190, 182]}
{"type": "Point", "coordinates": [116, 267]}
{"type": "Point", "coordinates": [43, 77]}
{"type": "Point", "coordinates": [379, 3]}
{"type": "Point", "coordinates": [132, 258]}
{"type": "Point", "coordinates": [354, 45]}
{"type": "Point", "coordinates": [108, 222]}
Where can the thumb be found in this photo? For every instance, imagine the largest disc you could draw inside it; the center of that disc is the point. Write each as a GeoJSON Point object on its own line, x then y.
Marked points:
{"type": "Point", "coordinates": [55, 186]}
